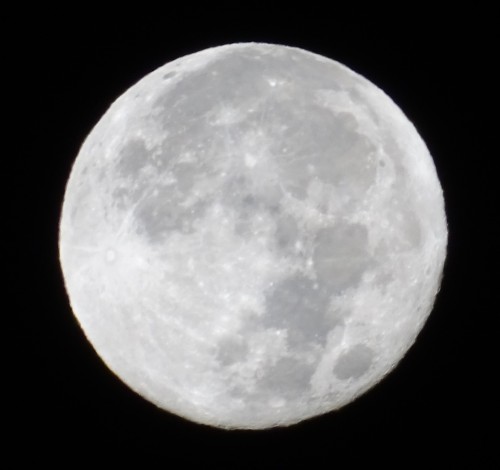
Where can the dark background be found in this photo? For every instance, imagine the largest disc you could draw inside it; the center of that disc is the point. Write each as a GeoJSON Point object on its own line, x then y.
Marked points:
{"type": "Point", "coordinates": [437, 406]}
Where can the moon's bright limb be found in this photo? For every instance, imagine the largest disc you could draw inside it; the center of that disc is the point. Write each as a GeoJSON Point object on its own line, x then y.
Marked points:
{"type": "Point", "coordinates": [252, 235]}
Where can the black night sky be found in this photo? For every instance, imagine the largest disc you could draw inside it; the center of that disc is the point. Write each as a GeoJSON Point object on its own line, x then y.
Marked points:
{"type": "Point", "coordinates": [437, 407]}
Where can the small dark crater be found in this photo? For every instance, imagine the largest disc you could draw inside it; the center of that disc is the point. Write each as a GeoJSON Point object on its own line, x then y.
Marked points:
{"type": "Point", "coordinates": [169, 75]}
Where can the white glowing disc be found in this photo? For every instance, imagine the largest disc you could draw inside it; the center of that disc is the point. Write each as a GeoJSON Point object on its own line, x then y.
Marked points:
{"type": "Point", "coordinates": [252, 235]}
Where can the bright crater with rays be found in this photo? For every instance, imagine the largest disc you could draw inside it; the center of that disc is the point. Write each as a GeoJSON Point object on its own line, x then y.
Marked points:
{"type": "Point", "coordinates": [252, 235]}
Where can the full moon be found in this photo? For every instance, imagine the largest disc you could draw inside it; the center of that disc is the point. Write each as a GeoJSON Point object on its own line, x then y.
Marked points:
{"type": "Point", "coordinates": [252, 235]}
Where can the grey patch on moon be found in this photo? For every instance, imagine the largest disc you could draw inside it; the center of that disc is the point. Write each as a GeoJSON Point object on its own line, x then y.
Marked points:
{"type": "Point", "coordinates": [231, 350]}
{"type": "Point", "coordinates": [327, 142]}
{"type": "Point", "coordinates": [288, 378]}
{"type": "Point", "coordinates": [354, 363]}
{"type": "Point", "coordinates": [341, 256]}
{"type": "Point", "coordinates": [185, 175]}
{"type": "Point", "coordinates": [205, 88]}
{"type": "Point", "coordinates": [171, 206]}
{"type": "Point", "coordinates": [249, 203]}
{"type": "Point", "coordinates": [328, 147]}
{"type": "Point", "coordinates": [162, 210]}
{"type": "Point", "coordinates": [247, 208]}
{"type": "Point", "coordinates": [133, 157]}
{"type": "Point", "coordinates": [299, 305]}
{"type": "Point", "coordinates": [162, 213]}
{"type": "Point", "coordinates": [287, 233]}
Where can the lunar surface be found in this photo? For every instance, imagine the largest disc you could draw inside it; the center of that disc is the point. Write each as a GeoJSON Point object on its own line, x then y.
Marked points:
{"type": "Point", "coordinates": [252, 235]}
